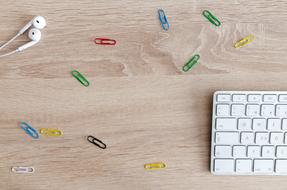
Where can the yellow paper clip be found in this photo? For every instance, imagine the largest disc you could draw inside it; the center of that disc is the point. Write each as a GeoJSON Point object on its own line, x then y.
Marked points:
{"type": "Point", "coordinates": [51, 132]}
{"type": "Point", "coordinates": [244, 41]}
{"type": "Point", "coordinates": [155, 166]}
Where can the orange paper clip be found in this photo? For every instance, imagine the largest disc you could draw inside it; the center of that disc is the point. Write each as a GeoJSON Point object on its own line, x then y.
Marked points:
{"type": "Point", "coordinates": [105, 41]}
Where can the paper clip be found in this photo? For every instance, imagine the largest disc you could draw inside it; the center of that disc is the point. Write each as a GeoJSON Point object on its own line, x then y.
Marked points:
{"type": "Point", "coordinates": [96, 142]}
{"type": "Point", "coordinates": [192, 62]}
{"type": "Point", "coordinates": [244, 41]}
{"type": "Point", "coordinates": [155, 166]}
{"type": "Point", "coordinates": [22, 169]}
{"type": "Point", "coordinates": [51, 132]}
{"type": "Point", "coordinates": [163, 19]}
{"type": "Point", "coordinates": [207, 14]}
{"type": "Point", "coordinates": [80, 78]}
{"type": "Point", "coordinates": [29, 130]}
{"type": "Point", "coordinates": [105, 41]}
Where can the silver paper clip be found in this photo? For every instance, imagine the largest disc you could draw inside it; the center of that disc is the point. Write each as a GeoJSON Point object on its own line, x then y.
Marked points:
{"type": "Point", "coordinates": [22, 170]}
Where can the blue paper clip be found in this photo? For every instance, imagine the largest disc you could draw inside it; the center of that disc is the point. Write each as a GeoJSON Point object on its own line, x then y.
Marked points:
{"type": "Point", "coordinates": [163, 19]}
{"type": "Point", "coordinates": [29, 130]}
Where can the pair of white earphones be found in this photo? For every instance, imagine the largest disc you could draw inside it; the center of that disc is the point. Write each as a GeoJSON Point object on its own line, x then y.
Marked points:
{"type": "Point", "coordinates": [34, 34]}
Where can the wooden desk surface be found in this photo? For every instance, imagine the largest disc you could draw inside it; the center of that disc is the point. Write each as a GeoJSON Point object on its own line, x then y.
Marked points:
{"type": "Point", "coordinates": [139, 102]}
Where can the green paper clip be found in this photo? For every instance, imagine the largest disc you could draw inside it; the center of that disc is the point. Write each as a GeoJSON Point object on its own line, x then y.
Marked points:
{"type": "Point", "coordinates": [191, 63]}
{"type": "Point", "coordinates": [207, 14]}
{"type": "Point", "coordinates": [80, 78]}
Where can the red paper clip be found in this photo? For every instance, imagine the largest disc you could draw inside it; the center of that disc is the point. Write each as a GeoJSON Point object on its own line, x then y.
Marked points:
{"type": "Point", "coordinates": [105, 41]}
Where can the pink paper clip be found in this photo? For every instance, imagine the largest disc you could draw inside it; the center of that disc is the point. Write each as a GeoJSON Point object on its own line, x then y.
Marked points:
{"type": "Point", "coordinates": [105, 41]}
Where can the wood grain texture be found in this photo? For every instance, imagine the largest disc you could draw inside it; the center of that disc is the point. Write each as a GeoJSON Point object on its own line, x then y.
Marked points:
{"type": "Point", "coordinates": [139, 103]}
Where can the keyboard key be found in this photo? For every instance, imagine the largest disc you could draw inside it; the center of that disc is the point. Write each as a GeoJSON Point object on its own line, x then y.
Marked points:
{"type": "Point", "coordinates": [276, 138]}
{"type": "Point", "coordinates": [223, 97]}
{"type": "Point", "coordinates": [254, 98]}
{"type": "Point", "coordinates": [243, 166]}
{"type": "Point", "coordinates": [281, 151]}
{"type": "Point", "coordinates": [284, 124]}
{"type": "Point", "coordinates": [281, 110]}
{"type": "Point", "coordinates": [268, 151]}
{"type": "Point", "coordinates": [273, 124]}
{"type": "Point", "coordinates": [267, 110]}
{"type": "Point", "coordinates": [259, 124]}
{"type": "Point", "coordinates": [226, 124]}
{"type": "Point", "coordinates": [285, 138]}
{"type": "Point", "coordinates": [223, 165]}
{"type": "Point", "coordinates": [281, 166]}
{"type": "Point", "coordinates": [252, 109]}
{"type": "Point", "coordinates": [244, 124]}
{"type": "Point", "coordinates": [253, 151]}
{"type": "Point", "coordinates": [283, 98]}
{"type": "Point", "coordinates": [239, 151]}
{"type": "Point", "coordinates": [222, 110]}
{"type": "Point", "coordinates": [237, 109]}
{"type": "Point", "coordinates": [238, 97]}
{"type": "Point", "coordinates": [263, 166]}
{"type": "Point", "coordinates": [262, 138]}
{"type": "Point", "coordinates": [247, 138]}
{"type": "Point", "coordinates": [226, 138]}
{"type": "Point", "coordinates": [269, 98]}
{"type": "Point", "coordinates": [222, 151]}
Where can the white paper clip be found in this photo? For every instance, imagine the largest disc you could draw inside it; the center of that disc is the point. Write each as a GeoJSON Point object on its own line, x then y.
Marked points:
{"type": "Point", "coordinates": [23, 169]}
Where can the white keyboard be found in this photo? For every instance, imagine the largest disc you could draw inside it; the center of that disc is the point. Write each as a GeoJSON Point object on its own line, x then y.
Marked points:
{"type": "Point", "coordinates": [249, 133]}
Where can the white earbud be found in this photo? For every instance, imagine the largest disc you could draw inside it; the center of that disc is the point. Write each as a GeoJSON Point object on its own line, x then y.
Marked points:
{"type": "Point", "coordinates": [34, 35]}
{"type": "Point", "coordinates": [38, 22]}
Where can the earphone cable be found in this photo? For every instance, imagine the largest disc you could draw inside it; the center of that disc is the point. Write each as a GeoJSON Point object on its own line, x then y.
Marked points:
{"type": "Point", "coordinates": [7, 43]}
{"type": "Point", "coordinates": [7, 54]}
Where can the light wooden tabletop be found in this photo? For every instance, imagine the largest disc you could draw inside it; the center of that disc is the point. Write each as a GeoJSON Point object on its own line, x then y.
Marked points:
{"type": "Point", "coordinates": [139, 103]}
